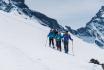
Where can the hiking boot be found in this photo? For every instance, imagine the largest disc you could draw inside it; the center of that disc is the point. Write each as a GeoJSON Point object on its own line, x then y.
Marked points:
{"type": "Point", "coordinates": [53, 47]}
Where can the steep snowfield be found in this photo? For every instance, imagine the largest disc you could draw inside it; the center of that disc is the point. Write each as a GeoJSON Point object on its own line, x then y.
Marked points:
{"type": "Point", "coordinates": [22, 47]}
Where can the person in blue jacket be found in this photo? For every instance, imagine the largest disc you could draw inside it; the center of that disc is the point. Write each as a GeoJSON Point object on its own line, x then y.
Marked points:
{"type": "Point", "coordinates": [58, 38]}
{"type": "Point", "coordinates": [51, 36]}
{"type": "Point", "coordinates": [66, 38]}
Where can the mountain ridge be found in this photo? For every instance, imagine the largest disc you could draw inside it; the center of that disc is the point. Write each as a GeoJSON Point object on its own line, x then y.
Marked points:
{"type": "Point", "coordinates": [22, 8]}
{"type": "Point", "coordinates": [93, 32]}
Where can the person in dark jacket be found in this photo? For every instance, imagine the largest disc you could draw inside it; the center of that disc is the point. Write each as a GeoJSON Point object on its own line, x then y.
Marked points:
{"type": "Point", "coordinates": [55, 31]}
{"type": "Point", "coordinates": [66, 38]}
{"type": "Point", "coordinates": [58, 38]}
{"type": "Point", "coordinates": [51, 36]}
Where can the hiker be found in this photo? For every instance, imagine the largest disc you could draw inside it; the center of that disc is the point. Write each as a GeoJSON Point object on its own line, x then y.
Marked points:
{"type": "Point", "coordinates": [66, 38]}
{"type": "Point", "coordinates": [58, 39]}
{"type": "Point", "coordinates": [51, 36]}
{"type": "Point", "coordinates": [55, 31]}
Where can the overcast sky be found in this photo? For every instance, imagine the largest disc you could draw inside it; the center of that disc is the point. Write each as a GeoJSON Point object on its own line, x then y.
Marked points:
{"type": "Point", "coordinates": [74, 13]}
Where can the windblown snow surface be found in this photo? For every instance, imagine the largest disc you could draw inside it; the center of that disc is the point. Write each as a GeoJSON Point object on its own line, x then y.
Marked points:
{"type": "Point", "coordinates": [22, 47]}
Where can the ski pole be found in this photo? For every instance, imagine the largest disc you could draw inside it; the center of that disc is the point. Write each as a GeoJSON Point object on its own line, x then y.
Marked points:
{"type": "Point", "coordinates": [72, 49]}
{"type": "Point", "coordinates": [46, 42]}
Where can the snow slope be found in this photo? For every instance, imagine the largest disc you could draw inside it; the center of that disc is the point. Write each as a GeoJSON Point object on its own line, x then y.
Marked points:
{"type": "Point", "coordinates": [22, 47]}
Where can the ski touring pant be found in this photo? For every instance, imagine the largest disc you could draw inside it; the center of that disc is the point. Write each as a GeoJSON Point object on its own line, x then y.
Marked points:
{"type": "Point", "coordinates": [66, 46]}
{"type": "Point", "coordinates": [58, 44]}
{"type": "Point", "coordinates": [51, 42]}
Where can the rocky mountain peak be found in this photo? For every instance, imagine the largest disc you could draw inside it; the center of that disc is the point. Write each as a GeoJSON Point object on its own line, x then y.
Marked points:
{"type": "Point", "coordinates": [93, 32]}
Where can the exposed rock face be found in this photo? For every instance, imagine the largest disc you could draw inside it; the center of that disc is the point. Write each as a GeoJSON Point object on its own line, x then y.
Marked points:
{"type": "Point", "coordinates": [93, 32]}
{"type": "Point", "coordinates": [22, 8]}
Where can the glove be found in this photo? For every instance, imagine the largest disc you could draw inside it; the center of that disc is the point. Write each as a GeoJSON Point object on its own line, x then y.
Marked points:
{"type": "Point", "coordinates": [72, 39]}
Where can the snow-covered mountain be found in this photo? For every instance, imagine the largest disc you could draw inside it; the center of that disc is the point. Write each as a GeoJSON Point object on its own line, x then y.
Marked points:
{"type": "Point", "coordinates": [23, 9]}
{"type": "Point", "coordinates": [93, 32]}
{"type": "Point", "coordinates": [24, 44]}
{"type": "Point", "coordinates": [22, 47]}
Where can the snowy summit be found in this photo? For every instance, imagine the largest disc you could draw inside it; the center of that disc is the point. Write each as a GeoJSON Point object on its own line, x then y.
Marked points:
{"type": "Point", "coordinates": [24, 45]}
